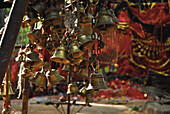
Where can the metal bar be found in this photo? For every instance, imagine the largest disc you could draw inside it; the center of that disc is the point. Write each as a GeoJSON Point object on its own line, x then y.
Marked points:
{"type": "Point", "coordinates": [10, 33]}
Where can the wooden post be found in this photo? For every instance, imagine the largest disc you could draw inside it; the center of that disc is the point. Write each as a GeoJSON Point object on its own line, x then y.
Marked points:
{"type": "Point", "coordinates": [25, 96]}
{"type": "Point", "coordinates": [10, 33]}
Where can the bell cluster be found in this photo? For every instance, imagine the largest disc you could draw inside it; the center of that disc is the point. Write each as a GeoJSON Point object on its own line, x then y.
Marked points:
{"type": "Point", "coordinates": [75, 25]}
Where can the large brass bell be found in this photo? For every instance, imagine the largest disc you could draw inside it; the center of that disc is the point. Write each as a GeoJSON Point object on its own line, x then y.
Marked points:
{"type": "Point", "coordinates": [39, 8]}
{"type": "Point", "coordinates": [54, 76]}
{"type": "Point", "coordinates": [59, 55]}
{"type": "Point", "coordinates": [31, 17]}
{"type": "Point", "coordinates": [72, 88]}
{"type": "Point", "coordinates": [104, 22]}
{"type": "Point", "coordinates": [85, 42]}
{"type": "Point", "coordinates": [74, 51]}
{"type": "Point", "coordinates": [82, 73]}
{"type": "Point", "coordinates": [33, 59]}
{"type": "Point", "coordinates": [35, 36]}
{"type": "Point", "coordinates": [67, 68]}
{"type": "Point", "coordinates": [40, 79]}
{"type": "Point", "coordinates": [3, 88]}
{"type": "Point", "coordinates": [97, 81]}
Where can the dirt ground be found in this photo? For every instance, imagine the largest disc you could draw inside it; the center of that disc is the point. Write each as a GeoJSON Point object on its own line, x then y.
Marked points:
{"type": "Point", "coordinates": [36, 106]}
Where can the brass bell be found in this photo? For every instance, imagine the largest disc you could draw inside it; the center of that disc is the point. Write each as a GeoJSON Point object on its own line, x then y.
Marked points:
{"type": "Point", "coordinates": [82, 12]}
{"type": "Point", "coordinates": [35, 36]}
{"type": "Point", "coordinates": [31, 17]}
{"type": "Point", "coordinates": [52, 16]}
{"type": "Point", "coordinates": [104, 22]}
{"type": "Point", "coordinates": [82, 73]}
{"type": "Point", "coordinates": [54, 77]}
{"type": "Point", "coordinates": [97, 81]}
{"type": "Point", "coordinates": [85, 42]}
{"type": "Point", "coordinates": [77, 61]}
{"type": "Point", "coordinates": [3, 88]}
{"type": "Point", "coordinates": [39, 79]}
{"type": "Point", "coordinates": [74, 51]}
{"type": "Point", "coordinates": [49, 45]}
{"type": "Point", "coordinates": [83, 91]}
{"type": "Point", "coordinates": [59, 55]}
{"type": "Point", "coordinates": [72, 88]}
{"type": "Point", "coordinates": [33, 59]}
{"type": "Point", "coordinates": [39, 8]}
{"type": "Point", "coordinates": [67, 68]}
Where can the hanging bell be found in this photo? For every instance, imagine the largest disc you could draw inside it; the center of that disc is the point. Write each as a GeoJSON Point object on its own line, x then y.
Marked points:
{"type": "Point", "coordinates": [77, 61]}
{"type": "Point", "coordinates": [85, 42]}
{"type": "Point", "coordinates": [104, 22]}
{"type": "Point", "coordinates": [3, 89]}
{"type": "Point", "coordinates": [72, 88]}
{"type": "Point", "coordinates": [39, 79]}
{"type": "Point", "coordinates": [97, 81]}
{"type": "Point", "coordinates": [82, 13]}
{"type": "Point", "coordinates": [21, 57]}
{"type": "Point", "coordinates": [39, 8]}
{"type": "Point", "coordinates": [31, 17]}
{"type": "Point", "coordinates": [59, 55]}
{"type": "Point", "coordinates": [33, 59]}
{"type": "Point", "coordinates": [54, 76]}
{"type": "Point", "coordinates": [49, 46]}
{"type": "Point", "coordinates": [74, 51]}
{"type": "Point", "coordinates": [83, 91]}
{"type": "Point", "coordinates": [67, 68]}
{"type": "Point", "coordinates": [52, 16]}
{"type": "Point", "coordinates": [82, 73]}
{"type": "Point", "coordinates": [35, 36]}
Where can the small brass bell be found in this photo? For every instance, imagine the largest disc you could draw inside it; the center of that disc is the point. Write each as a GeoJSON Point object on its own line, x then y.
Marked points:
{"type": "Point", "coordinates": [49, 45]}
{"type": "Point", "coordinates": [54, 76]}
{"type": "Point", "coordinates": [39, 79]}
{"type": "Point", "coordinates": [83, 91]}
{"type": "Point", "coordinates": [39, 8]}
{"type": "Point", "coordinates": [35, 36]}
{"type": "Point", "coordinates": [74, 51]}
{"type": "Point", "coordinates": [77, 61]}
{"type": "Point", "coordinates": [52, 16]}
{"type": "Point", "coordinates": [85, 42]}
{"type": "Point", "coordinates": [72, 88]}
{"type": "Point", "coordinates": [97, 81]}
{"type": "Point", "coordinates": [82, 73]}
{"type": "Point", "coordinates": [67, 68]}
{"type": "Point", "coordinates": [33, 59]}
{"type": "Point", "coordinates": [104, 22]}
{"type": "Point", "coordinates": [31, 17]}
{"type": "Point", "coordinates": [3, 88]}
{"type": "Point", "coordinates": [82, 13]}
{"type": "Point", "coordinates": [59, 55]}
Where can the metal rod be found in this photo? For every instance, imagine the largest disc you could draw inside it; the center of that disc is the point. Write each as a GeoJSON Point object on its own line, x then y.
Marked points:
{"type": "Point", "coordinates": [10, 33]}
{"type": "Point", "coordinates": [69, 81]}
